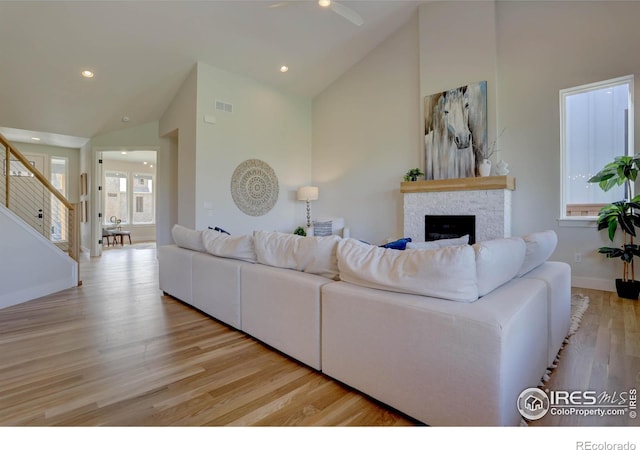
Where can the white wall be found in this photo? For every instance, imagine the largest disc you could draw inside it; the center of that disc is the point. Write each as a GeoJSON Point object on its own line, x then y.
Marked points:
{"type": "Point", "coordinates": [527, 52]}
{"type": "Point", "coordinates": [578, 43]}
{"type": "Point", "coordinates": [458, 47]}
{"type": "Point", "coordinates": [167, 209]}
{"type": "Point", "coordinates": [366, 135]}
{"type": "Point", "coordinates": [178, 125]}
{"type": "Point", "coordinates": [36, 266]}
{"type": "Point", "coordinates": [265, 124]}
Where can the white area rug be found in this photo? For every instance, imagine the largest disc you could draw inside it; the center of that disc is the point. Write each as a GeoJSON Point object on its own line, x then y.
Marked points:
{"type": "Point", "coordinates": [579, 304]}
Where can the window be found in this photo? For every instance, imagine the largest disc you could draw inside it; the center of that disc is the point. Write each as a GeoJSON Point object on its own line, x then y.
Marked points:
{"type": "Point", "coordinates": [596, 126]}
{"type": "Point", "coordinates": [119, 198]}
{"type": "Point", "coordinates": [116, 198]}
{"type": "Point", "coordinates": [59, 213]}
{"type": "Point", "coordinates": [143, 191]}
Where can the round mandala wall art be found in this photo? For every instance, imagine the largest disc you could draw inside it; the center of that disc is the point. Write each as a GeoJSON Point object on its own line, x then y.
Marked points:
{"type": "Point", "coordinates": [254, 187]}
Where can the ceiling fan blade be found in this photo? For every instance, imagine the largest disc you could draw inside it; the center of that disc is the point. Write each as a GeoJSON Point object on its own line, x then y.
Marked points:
{"type": "Point", "coordinates": [347, 13]}
{"type": "Point", "coordinates": [282, 4]}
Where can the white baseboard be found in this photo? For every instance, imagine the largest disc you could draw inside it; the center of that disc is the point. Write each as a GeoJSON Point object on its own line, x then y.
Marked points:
{"type": "Point", "coordinates": [601, 284]}
{"type": "Point", "coordinates": [30, 293]}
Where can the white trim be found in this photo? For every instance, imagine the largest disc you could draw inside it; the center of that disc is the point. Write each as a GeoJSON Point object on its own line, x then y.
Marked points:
{"type": "Point", "coordinates": [600, 284]}
{"type": "Point", "coordinates": [578, 222]}
{"type": "Point", "coordinates": [627, 79]}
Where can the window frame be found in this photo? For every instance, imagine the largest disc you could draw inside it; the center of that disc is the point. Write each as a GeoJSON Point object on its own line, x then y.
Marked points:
{"type": "Point", "coordinates": [121, 174]}
{"type": "Point", "coordinates": [588, 221]}
{"type": "Point", "coordinates": [142, 175]}
{"type": "Point", "coordinates": [131, 176]}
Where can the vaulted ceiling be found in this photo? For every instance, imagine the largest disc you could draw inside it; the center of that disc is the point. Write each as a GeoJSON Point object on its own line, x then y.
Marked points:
{"type": "Point", "coordinates": [141, 52]}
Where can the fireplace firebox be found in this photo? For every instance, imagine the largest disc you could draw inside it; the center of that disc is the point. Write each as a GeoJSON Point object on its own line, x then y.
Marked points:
{"type": "Point", "coordinates": [448, 226]}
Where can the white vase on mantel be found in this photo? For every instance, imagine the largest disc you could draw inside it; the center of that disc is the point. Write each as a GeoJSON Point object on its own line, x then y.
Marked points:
{"type": "Point", "coordinates": [484, 168]}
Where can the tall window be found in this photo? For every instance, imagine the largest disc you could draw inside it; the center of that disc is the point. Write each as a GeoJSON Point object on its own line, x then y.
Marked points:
{"type": "Point", "coordinates": [143, 193]}
{"type": "Point", "coordinates": [116, 197]}
{"type": "Point", "coordinates": [59, 214]}
{"type": "Point", "coordinates": [596, 126]}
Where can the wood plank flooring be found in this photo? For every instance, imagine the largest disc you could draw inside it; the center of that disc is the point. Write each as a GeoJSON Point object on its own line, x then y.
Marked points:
{"type": "Point", "coordinates": [116, 352]}
{"type": "Point", "coordinates": [604, 355]}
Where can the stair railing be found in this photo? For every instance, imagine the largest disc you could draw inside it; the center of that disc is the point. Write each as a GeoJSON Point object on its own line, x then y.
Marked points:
{"type": "Point", "coordinates": [31, 196]}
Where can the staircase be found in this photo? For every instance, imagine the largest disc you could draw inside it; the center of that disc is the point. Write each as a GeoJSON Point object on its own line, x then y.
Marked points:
{"type": "Point", "coordinates": [50, 224]}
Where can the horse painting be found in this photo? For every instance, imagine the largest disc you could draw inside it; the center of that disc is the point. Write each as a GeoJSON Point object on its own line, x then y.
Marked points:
{"type": "Point", "coordinates": [455, 125]}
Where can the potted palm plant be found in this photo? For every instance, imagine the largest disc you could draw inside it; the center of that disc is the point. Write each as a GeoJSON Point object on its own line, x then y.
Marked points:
{"type": "Point", "coordinates": [621, 215]}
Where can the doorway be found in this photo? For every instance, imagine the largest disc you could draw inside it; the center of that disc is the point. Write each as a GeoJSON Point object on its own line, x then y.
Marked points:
{"type": "Point", "coordinates": [128, 179]}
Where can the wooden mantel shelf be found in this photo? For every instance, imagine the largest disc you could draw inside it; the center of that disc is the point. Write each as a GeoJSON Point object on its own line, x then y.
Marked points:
{"type": "Point", "coordinates": [459, 184]}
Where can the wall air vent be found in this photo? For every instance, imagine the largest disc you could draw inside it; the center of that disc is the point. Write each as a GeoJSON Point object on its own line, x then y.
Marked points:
{"type": "Point", "coordinates": [222, 106]}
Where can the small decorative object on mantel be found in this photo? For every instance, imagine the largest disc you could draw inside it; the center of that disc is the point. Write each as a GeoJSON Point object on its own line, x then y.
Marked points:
{"type": "Point", "coordinates": [502, 168]}
{"type": "Point", "coordinates": [484, 168]}
{"type": "Point", "coordinates": [254, 187]}
{"type": "Point", "coordinates": [623, 214]}
{"type": "Point", "coordinates": [413, 174]}
{"type": "Point", "coordinates": [484, 154]}
{"type": "Point", "coordinates": [300, 231]}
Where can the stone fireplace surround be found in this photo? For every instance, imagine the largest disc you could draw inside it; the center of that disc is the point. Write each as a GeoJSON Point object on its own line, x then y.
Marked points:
{"type": "Point", "coordinates": [488, 198]}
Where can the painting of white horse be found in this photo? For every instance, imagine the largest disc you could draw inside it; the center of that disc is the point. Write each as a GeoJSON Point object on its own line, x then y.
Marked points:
{"type": "Point", "coordinates": [455, 125]}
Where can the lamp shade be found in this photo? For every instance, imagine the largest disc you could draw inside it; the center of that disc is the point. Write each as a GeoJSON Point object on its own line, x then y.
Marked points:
{"type": "Point", "coordinates": [308, 193]}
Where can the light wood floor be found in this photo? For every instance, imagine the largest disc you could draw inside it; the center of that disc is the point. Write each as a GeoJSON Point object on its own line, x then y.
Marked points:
{"type": "Point", "coordinates": [604, 355]}
{"type": "Point", "coordinates": [117, 352]}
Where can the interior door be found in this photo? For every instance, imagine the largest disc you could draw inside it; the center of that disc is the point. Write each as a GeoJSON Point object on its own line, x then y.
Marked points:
{"type": "Point", "coordinates": [27, 194]}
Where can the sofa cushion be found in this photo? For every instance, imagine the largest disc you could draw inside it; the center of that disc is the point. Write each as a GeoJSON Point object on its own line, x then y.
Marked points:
{"type": "Point", "coordinates": [448, 273]}
{"type": "Point", "coordinates": [497, 262]}
{"type": "Point", "coordinates": [540, 246]}
{"type": "Point", "coordinates": [229, 246]}
{"type": "Point", "coordinates": [187, 238]}
{"type": "Point", "coordinates": [310, 254]}
{"type": "Point", "coordinates": [440, 243]}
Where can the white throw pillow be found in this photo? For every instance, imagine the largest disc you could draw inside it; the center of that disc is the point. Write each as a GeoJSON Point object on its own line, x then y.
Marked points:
{"type": "Point", "coordinates": [448, 273]}
{"type": "Point", "coordinates": [316, 255]}
{"type": "Point", "coordinates": [439, 243]}
{"type": "Point", "coordinates": [229, 246]}
{"type": "Point", "coordinates": [187, 238]}
{"type": "Point", "coordinates": [497, 262]}
{"type": "Point", "coordinates": [540, 246]}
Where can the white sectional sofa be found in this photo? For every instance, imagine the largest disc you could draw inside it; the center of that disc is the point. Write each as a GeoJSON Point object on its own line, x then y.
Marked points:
{"type": "Point", "coordinates": [449, 336]}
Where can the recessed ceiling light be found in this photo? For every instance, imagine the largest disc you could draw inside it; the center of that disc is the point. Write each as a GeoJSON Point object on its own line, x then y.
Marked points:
{"type": "Point", "coordinates": [125, 119]}
{"type": "Point", "coordinates": [284, 69]}
{"type": "Point", "coordinates": [150, 165]}
{"type": "Point", "coordinates": [87, 73]}
{"type": "Point", "coordinates": [35, 138]}
{"type": "Point", "coordinates": [123, 153]}
{"type": "Point", "coordinates": [145, 163]}
{"type": "Point", "coordinates": [324, 3]}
